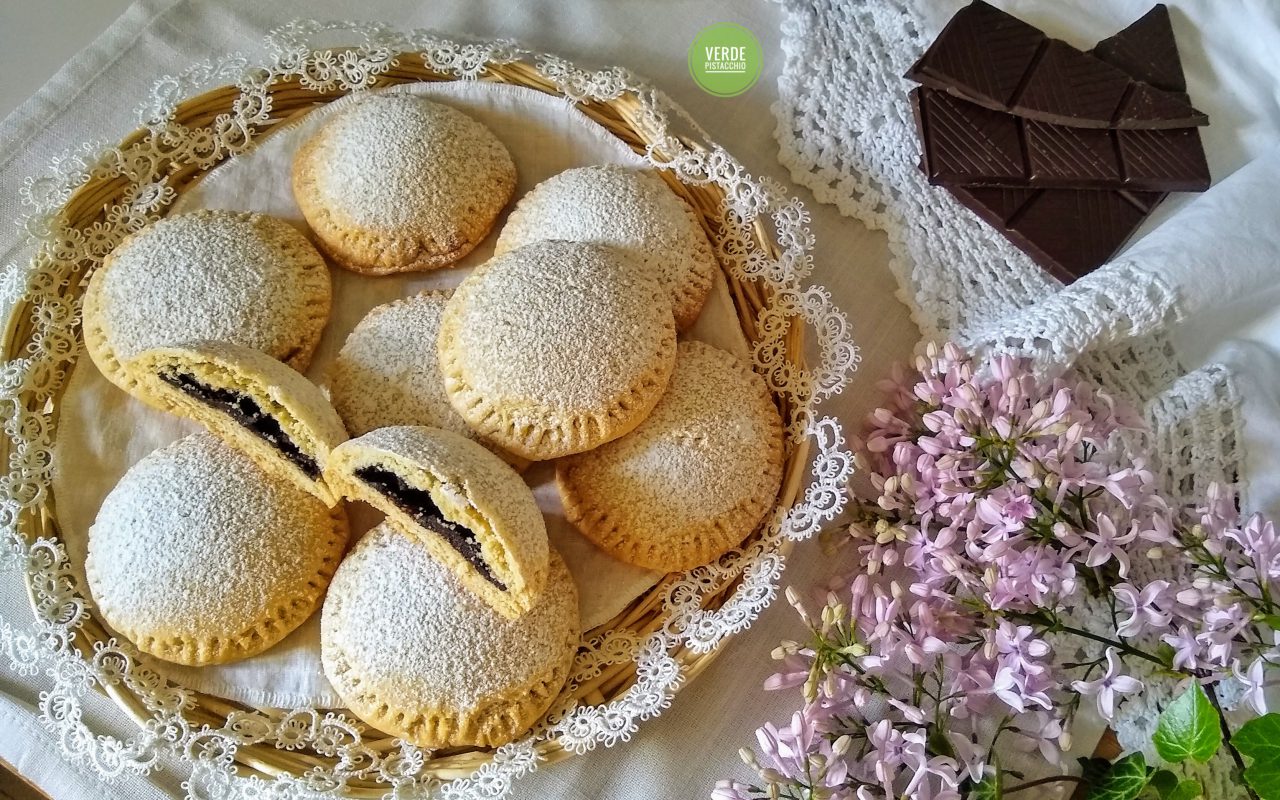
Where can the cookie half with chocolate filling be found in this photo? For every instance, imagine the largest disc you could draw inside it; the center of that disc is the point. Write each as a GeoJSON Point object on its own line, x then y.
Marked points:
{"type": "Point", "coordinates": [467, 506]}
{"type": "Point", "coordinates": [255, 403]}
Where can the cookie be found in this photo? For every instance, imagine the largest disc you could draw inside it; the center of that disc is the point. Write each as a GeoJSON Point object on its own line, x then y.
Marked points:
{"type": "Point", "coordinates": [251, 401]}
{"type": "Point", "coordinates": [415, 654]}
{"type": "Point", "coordinates": [398, 183]}
{"type": "Point", "coordinates": [627, 208]}
{"type": "Point", "coordinates": [557, 347]}
{"type": "Point", "coordinates": [388, 373]}
{"type": "Point", "coordinates": [470, 510]}
{"type": "Point", "coordinates": [198, 556]}
{"type": "Point", "coordinates": [693, 480]}
{"type": "Point", "coordinates": [226, 276]}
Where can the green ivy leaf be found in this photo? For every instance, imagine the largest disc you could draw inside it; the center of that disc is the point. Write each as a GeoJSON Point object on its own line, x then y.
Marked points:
{"type": "Point", "coordinates": [1164, 782]}
{"type": "Point", "coordinates": [1188, 728]}
{"type": "Point", "coordinates": [1124, 781]}
{"type": "Point", "coordinates": [1168, 787]}
{"type": "Point", "coordinates": [1259, 741]}
{"type": "Point", "coordinates": [1185, 790]}
{"type": "Point", "coordinates": [1093, 770]}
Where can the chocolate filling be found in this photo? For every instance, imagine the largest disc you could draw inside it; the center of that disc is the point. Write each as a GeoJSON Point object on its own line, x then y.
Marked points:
{"type": "Point", "coordinates": [418, 504]}
{"type": "Point", "coordinates": [246, 411]}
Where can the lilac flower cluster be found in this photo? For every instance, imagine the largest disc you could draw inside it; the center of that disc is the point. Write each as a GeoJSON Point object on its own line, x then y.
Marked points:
{"type": "Point", "coordinates": [1220, 623]}
{"type": "Point", "coordinates": [1002, 502]}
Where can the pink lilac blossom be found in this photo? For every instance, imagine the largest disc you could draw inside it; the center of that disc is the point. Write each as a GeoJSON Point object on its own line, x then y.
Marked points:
{"type": "Point", "coordinates": [1001, 501]}
{"type": "Point", "coordinates": [1107, 687]}
{"type": "Point", "coordinates": [1144, 607]}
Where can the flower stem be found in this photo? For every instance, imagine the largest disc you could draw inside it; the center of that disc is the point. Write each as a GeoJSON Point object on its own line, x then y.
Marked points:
{"type": "Point", "coordinates": [1226, 737]}
{"type": "Point", "coordinates": [1056, 625]}
{"type": "Point", "coordinates": [1043, 781]}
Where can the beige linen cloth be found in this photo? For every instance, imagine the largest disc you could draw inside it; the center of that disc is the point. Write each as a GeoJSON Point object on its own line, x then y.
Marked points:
{"type": "Point", "coordinates": [695, 742]}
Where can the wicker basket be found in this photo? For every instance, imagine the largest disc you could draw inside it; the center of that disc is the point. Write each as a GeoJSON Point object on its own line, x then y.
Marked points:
{"type": "Point", "coordinates": [624, 116]}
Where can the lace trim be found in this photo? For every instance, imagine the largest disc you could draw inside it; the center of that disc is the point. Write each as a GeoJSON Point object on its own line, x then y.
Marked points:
{"type": "Point", "coordinates": [846, 131]}
{"type": "Point", "coordinates": [63, 254]}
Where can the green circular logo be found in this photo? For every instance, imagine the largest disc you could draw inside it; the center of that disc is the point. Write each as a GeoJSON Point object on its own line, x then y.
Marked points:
{"type": "Point", "coordinates": [725, 59]}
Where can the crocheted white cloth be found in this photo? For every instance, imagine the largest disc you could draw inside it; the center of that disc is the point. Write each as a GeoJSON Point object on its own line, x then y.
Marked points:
{"type": "Point", "coordinates": [846, 131]}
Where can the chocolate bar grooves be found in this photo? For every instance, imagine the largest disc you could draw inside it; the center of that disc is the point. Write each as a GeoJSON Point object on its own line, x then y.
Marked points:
{"type": "Point", "coordinates": [966, 146]}
{"type": "Point", "coordinates": [1064, 153]}
{"type": "Point", "coordinates": [1030, 72]}
{"type": "Point", "coordinates": [1118, 152]}
{"type": "Point", "coordinates": [1024, 145]}
{"type": "Point", "coordinates": [1013, 218]}
{"type": "Point", "coordinates": [969, 144]}
{"type": "Point", "coordinates": [1124, 102]}
{"type": "Point", "coordinates": [982, 51]}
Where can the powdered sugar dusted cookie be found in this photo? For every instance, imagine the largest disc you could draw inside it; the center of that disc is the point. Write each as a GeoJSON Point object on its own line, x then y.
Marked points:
{"type": "Point", "coordinates": [250, 400]}
{"type": "Point", "coordinates": [198, 556]}
{"type": "Point", "coordinates": [397, 183]}
{"type": "Point", "coordinates": [415, 654]}
{"type": "Point", "coordinates": [626, 208]}
{"type": "Point", "coordinates": [470, 510]}
{"type": "Point", "coordinates": [228, 276]}
{"type": "Point", "coordinates": [388, 372]}
{"type": "Point", "coordinates": [557, 347]}
{"type": "Point", "coordinates": [693, 479]}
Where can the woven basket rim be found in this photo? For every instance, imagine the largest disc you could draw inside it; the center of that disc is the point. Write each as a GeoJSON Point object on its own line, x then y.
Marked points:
{"type": "Point", "coordinates": [622, 118]}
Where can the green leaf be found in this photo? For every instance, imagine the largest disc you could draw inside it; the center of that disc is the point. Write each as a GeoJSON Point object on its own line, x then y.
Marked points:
{"type": "Point", "coordinates": [1185, 790]}
{"type": "Point", "coordinates": [1164, 782]}
{"type": "Point", "coordinates": [1093, 770]}
{"type": "Point", "coordinates": [939, 744]}
{"type": "Point", "coordinates": [1188, 728]}
{"type": "Point", "coordinates": [1124, 781]}
{"type": "Point", "coordinates": [1259, 741]}
{"type": "Point", "coordinates": [1169, 787]}
{"type": "Point", "coordinates": [990, 787]}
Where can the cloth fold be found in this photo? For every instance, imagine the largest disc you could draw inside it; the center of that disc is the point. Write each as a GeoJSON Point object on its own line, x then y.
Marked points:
{"type": "Point", "coordinates": [1213, 264]}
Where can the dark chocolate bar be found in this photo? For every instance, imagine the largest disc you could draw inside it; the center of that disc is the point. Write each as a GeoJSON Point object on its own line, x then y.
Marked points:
{"type": "Point", "coordinates": [997, 61]}
{"type": "Point", "coordinates": [968, 144]}
{"type": "Point", "coordinates": [1068, 232]}
{"type": "Point", "coordinates": [1148, 49]}
{"type": "Point", "coordinates": [1064, 230]}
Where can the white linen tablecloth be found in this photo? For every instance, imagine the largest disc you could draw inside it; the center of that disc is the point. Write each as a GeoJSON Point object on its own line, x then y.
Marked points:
{"type": "Point", "coordinates": [694, 743]}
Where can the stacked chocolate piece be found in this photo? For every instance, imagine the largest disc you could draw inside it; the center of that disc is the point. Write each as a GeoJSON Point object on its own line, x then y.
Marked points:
{"type": "Point", "coordinates": [1064, 152]}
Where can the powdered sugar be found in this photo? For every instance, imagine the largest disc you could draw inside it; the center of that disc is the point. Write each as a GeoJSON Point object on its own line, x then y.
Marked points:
{"type": "Point", "coordinates": [571, 326]}
{"type": "Point", "coordinates": [197, 542]}
{"type": "Point", "coordinates": [388, 373]}
{"type": "Point", "coordinates": [238, 277]}
{"type": "Point", "coordinates": [406, 630]}
{"type": "Point", "coordinates": [693, 479]}
{"type": "Point", "coordinates": [470, 486]}
{"type": "Point", "coordinates": [626, 208]}
{"type": "Point", "coordinates": [397, 182]}
{"type": "Point", "coordinates": [403, 161]}
{"type": "Point", "coordinates": [305, 418]}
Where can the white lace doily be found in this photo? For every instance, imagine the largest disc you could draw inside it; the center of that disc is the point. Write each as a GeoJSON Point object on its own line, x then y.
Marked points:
{"type": "Point", "coordinates": [846, 131]}
{"type": "Point", "coordinates": [169, 719]}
